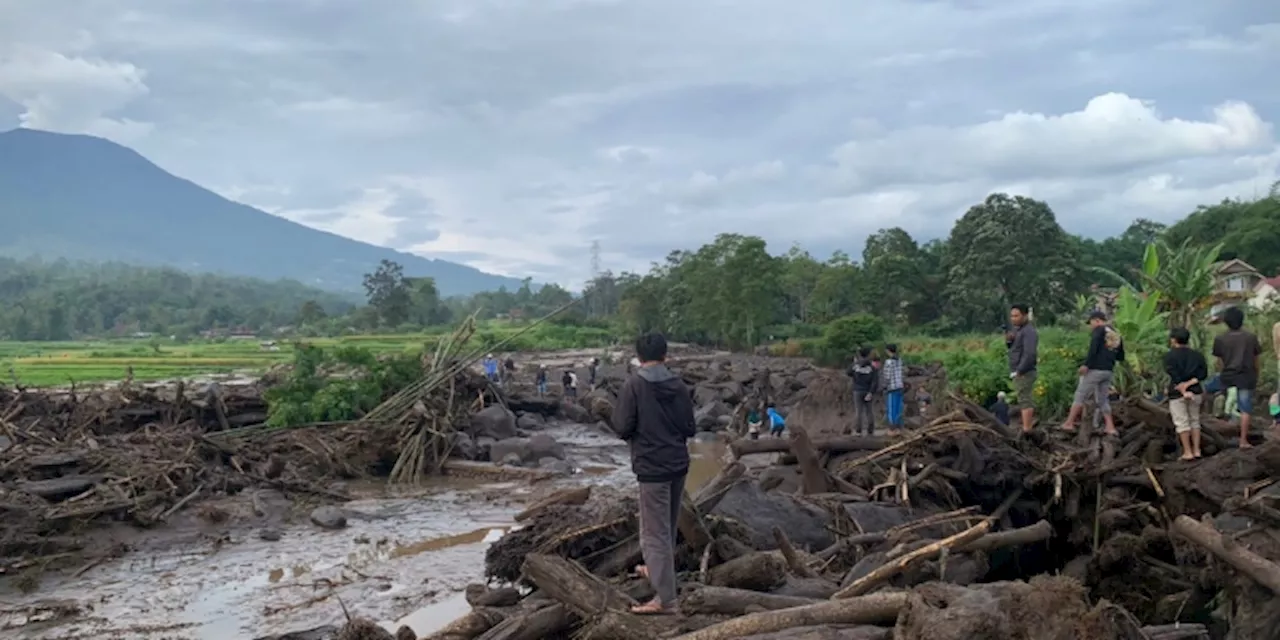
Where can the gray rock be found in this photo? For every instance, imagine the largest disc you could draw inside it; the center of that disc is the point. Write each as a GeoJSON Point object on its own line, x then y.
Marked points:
{"type": "Point", "coordinates": [329, 518]}
{"type": "Point", "coordinates": [464, 447]}
{"type": "Point", "coordinates": [518, 447]}
{"type": "Point", "coordinates": [270, 535]}
{"type": "Point", "coordinates": [495, 422]}
{"type": "Point", "coordinates": [542, 445]}
{"type": "Point", "coordinates": [807, 526]}
{"type": "Point", "coordinates": [483, 445]}
{"type": "Point", "coordinates": [511, 460]}
{"type": "Point", "coordinates": [531, 422]}
{"type": "Point", "coordinates": [556, 465]}
{"type": "Point", "coordinates": [576, 412]}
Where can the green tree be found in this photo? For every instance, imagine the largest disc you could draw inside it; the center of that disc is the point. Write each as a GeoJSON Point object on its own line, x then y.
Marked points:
{"type": "Point", "coordinates": [388, 293]}
{"type": "Point", "coordinates": [1007, 250]}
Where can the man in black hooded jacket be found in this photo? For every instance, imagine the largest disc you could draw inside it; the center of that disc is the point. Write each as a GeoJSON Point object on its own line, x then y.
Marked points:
{"type": "Point", "coordinates": [654, 414]}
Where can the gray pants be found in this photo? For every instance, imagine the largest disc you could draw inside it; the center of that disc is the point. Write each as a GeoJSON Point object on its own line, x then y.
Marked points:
{"type": "Point", "coordinates": [659, 514]}
{"type": "Point", "coordinates": [864, 415]}
{"type": "Point", "coordinates": [1096, 383]}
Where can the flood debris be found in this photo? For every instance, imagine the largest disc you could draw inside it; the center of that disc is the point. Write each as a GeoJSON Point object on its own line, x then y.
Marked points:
{"type": "Point", "coordinates": [956, 528]}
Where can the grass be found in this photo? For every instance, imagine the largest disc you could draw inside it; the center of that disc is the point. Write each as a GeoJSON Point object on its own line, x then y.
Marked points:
{"type": "Point", "coordinates": [46, 364]}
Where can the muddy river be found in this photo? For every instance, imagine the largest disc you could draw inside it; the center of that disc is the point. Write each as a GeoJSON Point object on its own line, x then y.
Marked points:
{"type": "Point", "coordinates": [402, 559]}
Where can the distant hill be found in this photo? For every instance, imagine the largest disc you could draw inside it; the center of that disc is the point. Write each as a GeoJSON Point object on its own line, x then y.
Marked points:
{"type": "Point", "coordinates": [86, 198]}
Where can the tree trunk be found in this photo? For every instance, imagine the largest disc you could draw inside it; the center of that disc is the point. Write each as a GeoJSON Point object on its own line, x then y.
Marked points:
{"type": "Point", "coordinates": [734, 602]}
{"type": "Point", "coordinates": [880, 608]}
{"type": "Point", "coordinates": [1259, 569]}
{"type": "Point", "coordinates": [759, 571]}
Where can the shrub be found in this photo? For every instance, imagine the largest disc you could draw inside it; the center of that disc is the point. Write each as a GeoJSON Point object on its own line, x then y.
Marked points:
{"type": "Point", "coordinates": [843, 336]}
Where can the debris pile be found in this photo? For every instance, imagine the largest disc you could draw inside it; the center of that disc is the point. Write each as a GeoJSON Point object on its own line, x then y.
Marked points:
{"type": "Point", "coordinates": [956, 529]}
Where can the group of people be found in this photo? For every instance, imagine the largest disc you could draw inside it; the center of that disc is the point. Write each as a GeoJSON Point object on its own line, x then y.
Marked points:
{"type": "Point", "coordinates": [870, 376]}
{"type": "Point", "coordinates": [568, 378]}
{"type": "Point", "coordinates": [1237, 353]}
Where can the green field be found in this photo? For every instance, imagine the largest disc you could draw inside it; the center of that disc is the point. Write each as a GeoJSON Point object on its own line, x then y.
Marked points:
{"type": "Point", "coordinates": [45, 364]}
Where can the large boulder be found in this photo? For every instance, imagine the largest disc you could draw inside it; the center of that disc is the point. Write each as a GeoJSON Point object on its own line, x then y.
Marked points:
{"type": "Point", "coordinates": [600, 403]}
{"type": "Point", "coordinates": [806, 525]}
{"type": "Point", "coordinates": [329, 518]}
{"type": "Point", "coordinates": [464, 447]}
{"type": "Point", "coordinates": [531, 421]}
{"type": "Point", "coordinates": [576, 412]}
{"type": "Point", "coordinates": [495, 422]}
{"type": "Point", "coordinates": [528, 450]}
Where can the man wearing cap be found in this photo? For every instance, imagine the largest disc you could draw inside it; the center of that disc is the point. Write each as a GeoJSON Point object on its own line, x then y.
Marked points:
{"type": "Point", "coordinates": [1106, 348]}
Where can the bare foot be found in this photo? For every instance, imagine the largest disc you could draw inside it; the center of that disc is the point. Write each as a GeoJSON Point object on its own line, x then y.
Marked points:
{"type": "Point", "coordinates": [652, 608]}
{"type": "Point", "coordinates": [1245, 445]}
{"type": "Point", "coordinates": [1069, 428]}
{"type": "Point", "coordinates": [1186, 457]}
{"type": "Point", "coordinates": [642, 571]}
{"type": "Point", "coordinates": [1196, 455]}
{"type": "Point", "coordinates": [1112, 433]}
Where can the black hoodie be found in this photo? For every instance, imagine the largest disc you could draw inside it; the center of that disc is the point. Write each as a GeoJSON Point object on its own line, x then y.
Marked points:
{"type": "Point", "coordinates": [865, 377]}
{"type": "Point", "coordinates": [654, 414]}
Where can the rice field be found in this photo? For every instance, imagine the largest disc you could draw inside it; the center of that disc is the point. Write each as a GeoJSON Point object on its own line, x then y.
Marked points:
{"type": "Point", "coordinates": [49, 364]}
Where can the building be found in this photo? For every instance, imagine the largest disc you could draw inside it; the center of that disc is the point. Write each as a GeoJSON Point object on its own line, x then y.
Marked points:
{"type": "Point", "coordinates": [1236, 283]}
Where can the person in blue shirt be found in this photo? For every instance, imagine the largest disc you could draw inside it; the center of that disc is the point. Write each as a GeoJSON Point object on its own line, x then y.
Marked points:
{"type": "Point", "coordinates": [776, 422]}
{"type": "Point", "coordinates": [491, 368]}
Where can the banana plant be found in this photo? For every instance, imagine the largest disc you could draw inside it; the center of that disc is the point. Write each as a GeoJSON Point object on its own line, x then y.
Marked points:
{"type": "Point", "coordinates": [1144, 327]}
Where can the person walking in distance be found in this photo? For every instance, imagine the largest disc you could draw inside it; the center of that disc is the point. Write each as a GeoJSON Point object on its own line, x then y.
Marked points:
{"type": "Point", "coordinates": [1023, 343]}
{"type": "Point", "coordinates": [1237, 352]}
{"type": "Point", "coordinates": [865, 382]}
{"type": "Point", "coordinates": [1106, 348]}
{"type": "Point", "coordinates": [541, 380]}
{"type": "Point", "coordinates": [1187, 371]}
{"type": "Point", "coordinates": [654, 415]}
{"type": "Point", "coordinates": [570, 383]}
{"type": "Point", "coordinates": [894, 386]}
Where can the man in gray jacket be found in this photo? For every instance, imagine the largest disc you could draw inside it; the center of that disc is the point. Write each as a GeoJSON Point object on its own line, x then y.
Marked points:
{"type": "Point", "coordinates": [1023, 343]}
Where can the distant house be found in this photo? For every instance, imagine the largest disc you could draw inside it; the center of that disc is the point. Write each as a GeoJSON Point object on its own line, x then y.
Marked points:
{"type": "Point", "coordinates": [1236, 283]}
{"type": "Point", "coordinates": [1266, 293]}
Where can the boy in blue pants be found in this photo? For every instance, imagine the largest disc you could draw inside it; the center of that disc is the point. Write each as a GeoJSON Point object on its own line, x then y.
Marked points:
{"type": "Point", "coordinates": [894, 386]}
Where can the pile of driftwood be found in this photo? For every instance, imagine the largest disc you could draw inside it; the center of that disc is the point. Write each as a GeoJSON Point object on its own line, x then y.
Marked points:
{"type": "Point", "coordinates": [958, 529]}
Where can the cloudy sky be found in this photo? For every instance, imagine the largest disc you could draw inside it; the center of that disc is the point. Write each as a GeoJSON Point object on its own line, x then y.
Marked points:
{"type": "Point", "coordinates": [511, 134]}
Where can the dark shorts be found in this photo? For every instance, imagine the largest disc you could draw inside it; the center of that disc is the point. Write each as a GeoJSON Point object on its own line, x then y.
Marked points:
{"type": "Point", "coordinates": [1025, 387]}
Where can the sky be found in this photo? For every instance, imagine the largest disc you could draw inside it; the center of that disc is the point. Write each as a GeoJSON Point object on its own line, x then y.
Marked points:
{"type": "Point", "coordinates": [511, 135]}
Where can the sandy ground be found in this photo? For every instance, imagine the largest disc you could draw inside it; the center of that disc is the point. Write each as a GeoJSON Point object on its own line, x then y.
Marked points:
{"type": "Point", "coordinates": [402, 560]}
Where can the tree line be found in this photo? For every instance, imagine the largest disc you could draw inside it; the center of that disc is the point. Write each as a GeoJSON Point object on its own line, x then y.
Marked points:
{"type": "Point", "coordinates": [733, 291]}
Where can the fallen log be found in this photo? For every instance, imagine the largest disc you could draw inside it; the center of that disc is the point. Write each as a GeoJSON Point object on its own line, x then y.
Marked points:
{"type": "Point", "coordinates": [1037, 532]}
{"type": "Point", "coordinates": [56, 489]}
{"type": "Point", "coordinates": [758, 571]}
{"type": "Point", "coordinates": [575, 496]}
{"type": "Point", "coordinates": [879, 608]}
{"type": "Point", "coordinates": [475, 623]}
{"type": "Point", "coordinates": [568, 583]}
{"type": "Point", "coordinates": [1178, 631]}
{"type": "Point", "coordinates": [813, 477]}
{"type": "Point", "coordinates": [488, 470]}
{"type": "Point", "coordinates": [836, 444]}
{"type": "Point", "coordinates": [734, 602]}
{"type": "Point", "coordinates": [794, 562]}
{"type": "Point", "coordinates": [886, 571]}
{"type": "Point", "coordinates": [1259, 569]}
{"type": "Point", "coordinates": [540, 623]}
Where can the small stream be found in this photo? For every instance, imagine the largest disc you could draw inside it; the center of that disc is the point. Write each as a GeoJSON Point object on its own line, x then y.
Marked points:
{"type": "Point", "coordinates": [401, 560]}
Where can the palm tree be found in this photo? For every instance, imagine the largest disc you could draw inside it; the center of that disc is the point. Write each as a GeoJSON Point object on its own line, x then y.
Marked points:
{"type": "Point", "coordinates": [1184, 277]}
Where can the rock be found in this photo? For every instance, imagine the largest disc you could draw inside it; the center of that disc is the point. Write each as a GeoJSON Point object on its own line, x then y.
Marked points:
{"type": "Point", "coordinates": [724, 421]}
{"type": "Point", "coordinates": [479, 595]}
{"type": "Point", "coordinates": [781, 478]}
{"type": "Point", "coordinates": [531, 422]}
{"type": "Point", "coordinates": [807, 526]}
{"type": "Point", "coordinates": [707, 416]}
{"type": "Point", "coordinates": [483, 446]}
{"type": "Point", "coordinates": [326, 632]}
{"type": "Point", "coordinates": [803, 379]}
{"type": "Point", "coordinates": [705, 394]}
{"type": "Point", "coordinates": [270, 535]}
{"type": "Point", "coordinates": [556, 465]}
{"type": "Point", "coordinates": [511, 446]}
{"type": "Point", "coordinates": [600, 403]}
{"type": "Point", "coordinates": [495, 422]}
{"type": "Point", "coordinates": [576, 412]}
{"type": "Point", "coordinates": [464, 447]}
{"type": "Point", "coordinates": [604, 429]}
{"type": "Point", "coordinates": [511, 460]}
{"type": "Point", "coordinates": [329, 518]}
{"type": "Point", "coordinates": [542, 445]}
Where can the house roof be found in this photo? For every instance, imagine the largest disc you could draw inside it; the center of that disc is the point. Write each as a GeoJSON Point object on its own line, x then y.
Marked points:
{"type": "Point", "coordinates": [1274, 282]}
{"type": "Point", "coordinates": [1235, 265]}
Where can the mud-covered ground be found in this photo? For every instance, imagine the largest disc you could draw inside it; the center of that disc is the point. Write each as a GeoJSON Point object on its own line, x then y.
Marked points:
{"type": "Point", "coordinates": [400, 560]}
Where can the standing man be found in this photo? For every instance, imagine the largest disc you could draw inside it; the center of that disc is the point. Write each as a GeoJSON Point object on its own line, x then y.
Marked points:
{"type": "Point", "coordinates": [654, 415]}
{"type": "Point", "coordinates": [591, 372]}
{"type": "Point", "coordinates": [541, 380]}
{"type": "Point", "coordinates": [1237, 352]}
{"type": "Point", "coordinates": [1106, 348]}
{"type": "Point", "coordinates": [894, 386]}
{"type": "Point", "coordinates": [865, 382]}
{"type": "Point", "coordinates": [1023, 343]}
{"type": "Point", "coordinates": [1187, 370]}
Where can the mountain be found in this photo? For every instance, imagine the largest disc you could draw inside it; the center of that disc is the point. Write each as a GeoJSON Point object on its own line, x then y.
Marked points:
{"type": "Point", "coordinates": [86, 198]}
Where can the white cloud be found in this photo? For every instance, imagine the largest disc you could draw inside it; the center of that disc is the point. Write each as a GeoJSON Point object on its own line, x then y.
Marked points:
{"type": "Point", "coordinates": [510, 134]}
{"type": "Point", "coordinates": [72, 94]}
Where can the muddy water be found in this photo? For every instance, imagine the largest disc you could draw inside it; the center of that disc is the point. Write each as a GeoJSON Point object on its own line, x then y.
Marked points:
{"type": "Point", "coordinates": [401, 560]}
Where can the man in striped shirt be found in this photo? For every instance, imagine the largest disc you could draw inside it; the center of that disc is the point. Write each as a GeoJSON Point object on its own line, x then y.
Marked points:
{"type": "Point", "coordinates": [894, 386]}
